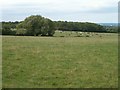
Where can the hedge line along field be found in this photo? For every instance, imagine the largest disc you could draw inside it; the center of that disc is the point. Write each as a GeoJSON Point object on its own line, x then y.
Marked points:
{"type": "Point", "coordinates": [60, 62]}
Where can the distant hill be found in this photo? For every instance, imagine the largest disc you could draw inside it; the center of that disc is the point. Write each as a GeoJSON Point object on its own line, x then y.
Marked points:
{"type": "Point", "coordinates": [108, 24]}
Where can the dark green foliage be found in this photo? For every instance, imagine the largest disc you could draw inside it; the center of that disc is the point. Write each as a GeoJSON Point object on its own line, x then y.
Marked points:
{"type": "Point", "coordinates": [20, 30]}
{"type": "Point", "coordinates": [37, 25]}
{"type": "Point", "coordinates": [111, 29]}
{"type": "Point", "coordinates": [51, 29]}
{"type": "Point", "coordinates": [78, 26]}
{"type": "Point", "coordinates": [33, 25]}
{"type": "Point", "coordinates": [7, 28]}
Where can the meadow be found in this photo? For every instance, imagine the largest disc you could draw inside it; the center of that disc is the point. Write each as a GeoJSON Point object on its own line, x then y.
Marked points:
{"type": "Point", "coordinates": [67, 60]}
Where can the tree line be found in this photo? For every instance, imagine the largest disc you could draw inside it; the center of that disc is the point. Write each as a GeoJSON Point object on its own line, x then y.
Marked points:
{"type": "Point", "coordinates": [78, 26]}
{"type": "Point", "coordinates": [37, 25]}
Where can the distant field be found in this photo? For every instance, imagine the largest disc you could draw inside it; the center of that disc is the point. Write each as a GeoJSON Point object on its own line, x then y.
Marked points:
{"type": "Point", "coordinates": [65, 61]}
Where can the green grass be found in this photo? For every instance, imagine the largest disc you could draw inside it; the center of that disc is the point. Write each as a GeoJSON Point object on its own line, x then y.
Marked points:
{"type": "Point", "coordinates": [0, 62]}
{"type": "Point", "coordinates": [60, 62]}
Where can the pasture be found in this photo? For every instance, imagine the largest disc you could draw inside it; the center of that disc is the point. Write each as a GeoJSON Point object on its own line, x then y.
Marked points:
{"type": "Point", "coordinates": [62, 61]}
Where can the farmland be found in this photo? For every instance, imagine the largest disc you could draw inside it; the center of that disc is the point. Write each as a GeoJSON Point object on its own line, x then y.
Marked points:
{"type": "Point", "coordinates": [67, 60]}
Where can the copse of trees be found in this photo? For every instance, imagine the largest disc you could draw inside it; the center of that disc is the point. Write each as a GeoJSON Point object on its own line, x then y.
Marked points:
{"type": "Point", "coordinates": [8, 28]}
{"type": "Point", "coordinates": [78, 26]}
{"type": "Point", "coordinates": [37, 25]}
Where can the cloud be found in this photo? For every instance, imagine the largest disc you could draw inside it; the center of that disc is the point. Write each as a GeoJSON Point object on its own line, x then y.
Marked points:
{"type": "Point", "coordinates": [57, 8]}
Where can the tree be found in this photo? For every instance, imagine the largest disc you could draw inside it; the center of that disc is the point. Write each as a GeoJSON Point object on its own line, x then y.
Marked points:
{"type": "Point", "coordinates": [21, 32]}
{"type": "Point", "coordinates": [78, 26]}
{"type": "Point", "coordinates": [20, 29]}
{"type": "Point", "coordinates": [38, 25]}
{"type": "Point", "coordinates": [51, 29]}
{"type": "Point", "coordinates": [6, 30]}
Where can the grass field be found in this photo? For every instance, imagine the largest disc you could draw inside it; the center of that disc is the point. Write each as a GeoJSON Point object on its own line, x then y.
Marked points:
{"type": "Point", "coordinates": [60, 62]}
{"type": "Point", "coordinates": [0, 62]}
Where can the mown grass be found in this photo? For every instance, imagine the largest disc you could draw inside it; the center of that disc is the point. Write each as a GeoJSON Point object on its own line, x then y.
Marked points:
{"type": "Point", "coordinates": [60, 62]}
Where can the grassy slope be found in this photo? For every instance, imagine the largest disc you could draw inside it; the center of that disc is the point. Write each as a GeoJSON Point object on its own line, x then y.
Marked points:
{"type": "Point", "coordinates": [60, 61]}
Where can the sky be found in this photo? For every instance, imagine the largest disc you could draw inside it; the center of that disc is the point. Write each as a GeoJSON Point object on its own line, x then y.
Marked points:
{"type": "Point", "coordinates": [98, 11]}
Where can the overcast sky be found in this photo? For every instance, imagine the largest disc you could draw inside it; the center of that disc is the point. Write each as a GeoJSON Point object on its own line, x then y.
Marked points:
{"type": "Point", "coordinates": [98, 11]}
